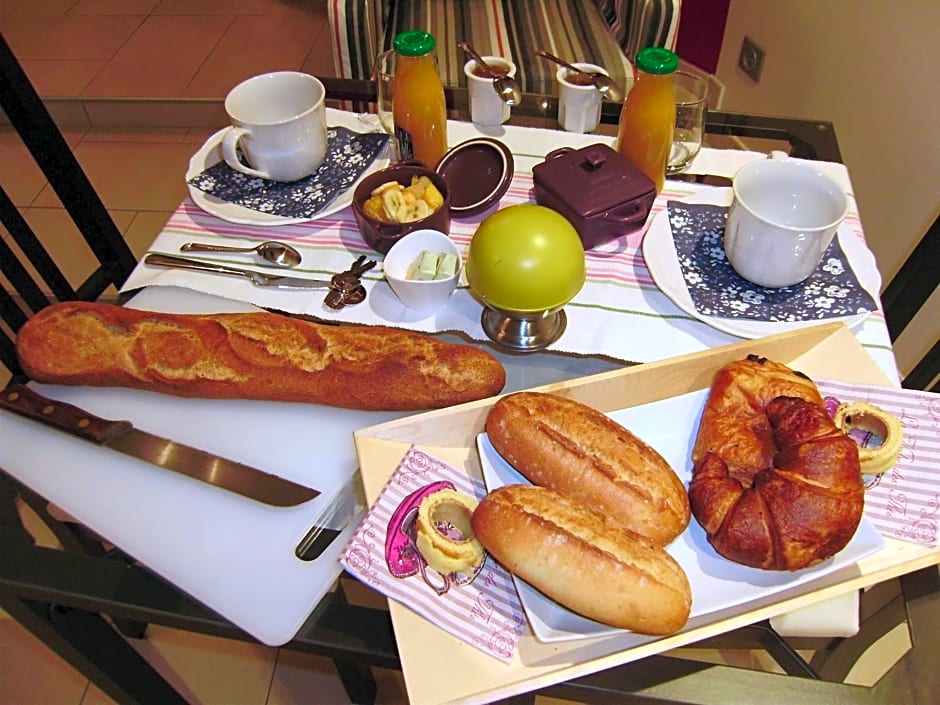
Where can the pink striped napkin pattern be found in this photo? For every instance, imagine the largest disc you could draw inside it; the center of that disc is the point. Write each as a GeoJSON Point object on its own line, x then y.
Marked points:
{"type": "Point", "coordinates": [904, 502]}
{"type": "Point", "coordinates": [482, 610]}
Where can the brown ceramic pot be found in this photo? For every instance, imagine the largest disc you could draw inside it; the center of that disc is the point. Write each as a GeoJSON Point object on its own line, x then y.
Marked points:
{"type": "Point", "coordinates": [599, 191]}
{"type": "Point", "coordinates": [380, 235]}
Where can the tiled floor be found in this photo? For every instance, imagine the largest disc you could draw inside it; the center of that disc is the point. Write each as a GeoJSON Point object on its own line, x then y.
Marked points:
{"type": "Point", "coordinates": [162, 48]}
{"type": "Point", "coordinates": [169, 62]}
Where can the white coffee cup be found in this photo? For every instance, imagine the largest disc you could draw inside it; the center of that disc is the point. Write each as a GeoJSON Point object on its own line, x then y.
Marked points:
{"type": "Point", "coordinates": [784, 213]}
{"type": "Point", "coordinates": [486, 107]}
{"type": "Point", "coordinates": [279, 122]}
{"type": "Point", "coordinates": [579, 106]}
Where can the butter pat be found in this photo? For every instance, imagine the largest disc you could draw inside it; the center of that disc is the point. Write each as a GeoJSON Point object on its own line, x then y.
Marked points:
{"type": "Point", "coordinates": [432, 265]}
{"type": "Point", "coordinates": [447, 266]}
{"type": "Point", "coordinates": [424, 267]}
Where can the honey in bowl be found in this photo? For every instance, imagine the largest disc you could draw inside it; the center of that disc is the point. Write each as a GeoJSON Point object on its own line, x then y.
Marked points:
{"type": "Point", "coordinates": [496, 70]}
{"type": "Point", "coordinates": [579, 79]}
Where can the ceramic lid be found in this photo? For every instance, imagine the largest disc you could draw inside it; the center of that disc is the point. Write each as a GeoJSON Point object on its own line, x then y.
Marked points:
{"type": "Point", "coordinates": [477, 172]}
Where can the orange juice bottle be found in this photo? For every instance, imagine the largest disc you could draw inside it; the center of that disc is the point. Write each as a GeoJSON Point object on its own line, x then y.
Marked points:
{"type": "Point", "coordinates": [418, 108]}
{"type": "Point", "coordinates": [649, 114]}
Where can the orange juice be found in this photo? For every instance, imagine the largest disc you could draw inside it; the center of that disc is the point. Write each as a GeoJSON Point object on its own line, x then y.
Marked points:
{"type": "Point", "coordinates": [649, 114]}
{"type": "Point", "coordinates": [418, 107]}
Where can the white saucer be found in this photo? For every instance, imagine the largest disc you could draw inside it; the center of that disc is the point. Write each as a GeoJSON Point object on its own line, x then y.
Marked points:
{"type": "Point", "coordinates": [659, 251]}
{"type": "Point", "coordinates": [211, 153]}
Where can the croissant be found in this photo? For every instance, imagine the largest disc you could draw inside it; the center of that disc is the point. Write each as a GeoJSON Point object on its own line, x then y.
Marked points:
{"type": "Point", "coordinates": [775, 485]}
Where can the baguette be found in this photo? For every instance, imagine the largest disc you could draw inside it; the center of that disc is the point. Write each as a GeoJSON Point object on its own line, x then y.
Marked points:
{"type": "Point", "coordinates": [573, 449]}
{"type": "Point", "coordinates": [252, 356]}
{"type": "Point", "coordinates": [583, 560]}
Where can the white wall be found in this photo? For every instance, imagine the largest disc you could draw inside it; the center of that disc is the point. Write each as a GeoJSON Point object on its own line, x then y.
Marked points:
{"type": "Point", "coordinates": [872, 68]}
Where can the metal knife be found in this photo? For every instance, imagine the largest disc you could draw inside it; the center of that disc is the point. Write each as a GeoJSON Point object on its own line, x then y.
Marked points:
{"type": "Point", "coordinates": [256, 278]}
{"type": "Point", "coordinates": [186, 460]}
{"type": "Point", "coordinates": [707, 179]}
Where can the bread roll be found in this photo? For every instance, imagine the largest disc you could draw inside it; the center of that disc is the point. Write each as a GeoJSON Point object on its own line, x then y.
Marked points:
{"type": "Point", "coordinates": [252, 356]}
{"type": "Point", "coordinates": [578, 451]}
{"type": "Point", "coordinates": [583, 560]}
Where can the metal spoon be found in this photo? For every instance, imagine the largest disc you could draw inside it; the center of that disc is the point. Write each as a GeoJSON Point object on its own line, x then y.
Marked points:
{"type": "Point", "coordinates": [602, 82]}
{"type": "Point", "coordinates": [275, 252]}
{"type": "Point", "coordinates": [506, 87]}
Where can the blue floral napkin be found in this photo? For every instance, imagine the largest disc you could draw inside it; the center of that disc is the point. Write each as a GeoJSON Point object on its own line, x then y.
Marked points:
{"type": "Point", "coordinates": [348, 155]}
{"type": "Point", "coordinates": [716, 289]}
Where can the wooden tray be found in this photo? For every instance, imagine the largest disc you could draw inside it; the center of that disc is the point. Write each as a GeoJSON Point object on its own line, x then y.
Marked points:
{"type": "Point", "coordinates": [826, 351]}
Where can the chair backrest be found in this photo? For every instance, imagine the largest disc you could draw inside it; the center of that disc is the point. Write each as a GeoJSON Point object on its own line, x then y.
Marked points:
{"type": "Point", "coordinates": [642, 23]}
{"type": "Point", "coordinates": [32, 278]}
{"type": "Point", "coordinates": [904, 297]}
{"type": "Point", "coordinates": [604, 32]}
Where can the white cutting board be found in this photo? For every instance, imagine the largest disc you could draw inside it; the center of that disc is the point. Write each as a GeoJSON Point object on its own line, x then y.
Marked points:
{"type": "Point", "coordinates": [231, 553]}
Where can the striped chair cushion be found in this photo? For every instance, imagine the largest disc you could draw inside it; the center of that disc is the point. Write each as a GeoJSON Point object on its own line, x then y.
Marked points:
{"type": "Point", "coordinates": [575, 30]}
{"type": "Point", "coordinates": [636, 24]}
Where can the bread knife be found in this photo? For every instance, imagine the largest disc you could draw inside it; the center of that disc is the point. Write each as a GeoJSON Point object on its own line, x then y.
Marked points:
{"type": "Point", "coordinates": [121, 436]}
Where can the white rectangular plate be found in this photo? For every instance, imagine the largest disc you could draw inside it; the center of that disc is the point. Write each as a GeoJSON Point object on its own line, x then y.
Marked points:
{"type": "Point", "coordinates": [669, 426]}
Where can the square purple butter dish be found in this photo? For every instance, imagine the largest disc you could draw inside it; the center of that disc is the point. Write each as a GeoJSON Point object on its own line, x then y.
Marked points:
{"type": "Point", "coordinates": [599, 191]}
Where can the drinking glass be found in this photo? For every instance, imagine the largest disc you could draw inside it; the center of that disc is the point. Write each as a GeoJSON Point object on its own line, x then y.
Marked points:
{"type": "Point", "coordinates": [691, 93]}
{"type": "Point", "coordinates": [385, 77]}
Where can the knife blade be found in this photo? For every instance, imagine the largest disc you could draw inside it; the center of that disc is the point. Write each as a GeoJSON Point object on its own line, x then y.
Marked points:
{"type": "Point", "coordinates": [121, 436]}
{"type": "Point", "coordinates": [707, 179]}
{"type": "Point", "coordinates": [257, 278]}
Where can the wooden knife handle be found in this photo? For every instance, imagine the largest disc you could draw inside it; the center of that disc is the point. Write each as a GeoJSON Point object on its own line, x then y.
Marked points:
{"type": "Point", "coordinates": [22, 400]}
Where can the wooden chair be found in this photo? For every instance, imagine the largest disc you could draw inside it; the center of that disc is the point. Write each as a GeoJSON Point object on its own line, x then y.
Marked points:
{"type": "Point", "coordinates": [603, 32]}
{"type": "Point", "coordinates": [904, 297]}
{"type": "Point", "coordinates": [36, 279]}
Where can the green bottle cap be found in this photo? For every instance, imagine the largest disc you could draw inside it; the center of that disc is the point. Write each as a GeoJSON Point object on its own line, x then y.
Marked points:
{"type": "Point", "coordinates": [656, 60]}
{"type": "Point", "coordinates": [414, 42]}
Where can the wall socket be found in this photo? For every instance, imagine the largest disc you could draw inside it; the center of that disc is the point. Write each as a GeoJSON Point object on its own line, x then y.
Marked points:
{"type": "Point", "coordinates": [751, 59]}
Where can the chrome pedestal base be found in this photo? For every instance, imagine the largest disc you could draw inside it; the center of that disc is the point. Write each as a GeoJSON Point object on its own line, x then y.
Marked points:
{"type": "Point", "coordinates": [523, 332]}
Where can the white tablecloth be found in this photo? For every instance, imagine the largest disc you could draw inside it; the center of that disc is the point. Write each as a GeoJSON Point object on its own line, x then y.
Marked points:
{"type": "Point", "coordinates": [619, 313]}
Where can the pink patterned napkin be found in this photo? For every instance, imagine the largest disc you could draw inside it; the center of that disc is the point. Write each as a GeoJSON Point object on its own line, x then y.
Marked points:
{"type": "Point", "coordinates": [480, 608]}
{"type": "Point", "coordinates": [904, 502]}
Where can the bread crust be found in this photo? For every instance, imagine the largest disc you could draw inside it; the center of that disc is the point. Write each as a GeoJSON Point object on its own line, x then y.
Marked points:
{"type": "Point", "coordinates": [253, 356]}
{"type": "Point", "coordinates": [584, 560]}
{"type": "Point", "coordinates": [776, 485]}
{"type": "Point", "coordinates": [576, 450]}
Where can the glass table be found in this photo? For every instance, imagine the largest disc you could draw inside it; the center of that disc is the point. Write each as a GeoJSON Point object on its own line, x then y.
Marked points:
{"type": "Point", "coordinates": [63, 596]}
